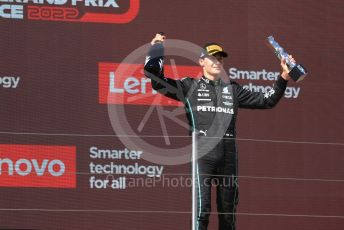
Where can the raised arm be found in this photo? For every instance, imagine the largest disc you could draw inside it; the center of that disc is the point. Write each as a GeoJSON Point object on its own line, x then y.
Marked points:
{"type": "Point", "coordinates": [154, 69]}
{"type": "Point", "coordinates": [267, 100]}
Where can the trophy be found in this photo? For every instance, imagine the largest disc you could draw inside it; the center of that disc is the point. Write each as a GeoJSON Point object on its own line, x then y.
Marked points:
{"type": "Point", "coordinates": [296, 71]}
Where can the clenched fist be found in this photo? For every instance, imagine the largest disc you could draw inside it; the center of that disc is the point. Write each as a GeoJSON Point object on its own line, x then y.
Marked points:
{"type": "Point", "coordinates": [159, 38]}
{"type": "Point", "coordinates": [285, 70]}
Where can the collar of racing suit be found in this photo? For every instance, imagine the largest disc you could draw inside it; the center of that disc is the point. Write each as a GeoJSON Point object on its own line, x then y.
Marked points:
{"type": "Point", "coordinates": [214, 83]}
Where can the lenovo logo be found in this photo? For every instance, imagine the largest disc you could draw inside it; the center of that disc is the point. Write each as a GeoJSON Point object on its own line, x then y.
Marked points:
{"type": "Point", "coordinates": [25, 167]}
{"type": "Point", "coordinates": [37, 166]}
{"type": "Point", "coordinates": [126, 84]}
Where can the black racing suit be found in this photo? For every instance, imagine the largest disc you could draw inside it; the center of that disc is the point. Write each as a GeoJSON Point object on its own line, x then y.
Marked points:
{"type": "Point", "coordinates": [212, 108]}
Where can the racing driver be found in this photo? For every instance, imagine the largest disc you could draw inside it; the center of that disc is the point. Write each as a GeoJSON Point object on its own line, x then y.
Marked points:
{"type": "Point", "coordinates": [212, 106]}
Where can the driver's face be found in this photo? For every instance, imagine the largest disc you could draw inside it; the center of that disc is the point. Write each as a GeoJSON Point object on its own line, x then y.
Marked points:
{"type": "Point", "coordinates": [213, 64]}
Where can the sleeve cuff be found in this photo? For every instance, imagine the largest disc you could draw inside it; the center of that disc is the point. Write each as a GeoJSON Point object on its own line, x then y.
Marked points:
{"type": "Point", "coordinates": [281, 82]}
{"type": "Point", "coordinates": [156, 50]}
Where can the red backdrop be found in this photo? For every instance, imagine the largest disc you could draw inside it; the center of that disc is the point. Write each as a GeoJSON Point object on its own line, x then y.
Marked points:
{"type": "Point", "coordinates": [52, 85]}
